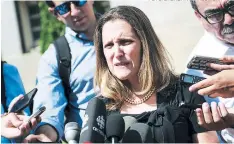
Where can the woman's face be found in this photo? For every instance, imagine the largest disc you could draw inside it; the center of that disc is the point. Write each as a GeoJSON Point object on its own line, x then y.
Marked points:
{"type": "Point", "coordinates": [121, 47]}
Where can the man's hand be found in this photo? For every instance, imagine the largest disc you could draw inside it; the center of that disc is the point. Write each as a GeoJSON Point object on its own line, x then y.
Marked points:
{"type": "Point", "coordinates": [220, 84]}
{"type": "Point", "coordinates": [44, 133]}
{"type": "Point", "coordinates": [14, 126]}
{"type": "Point", "coordinates": [14, 101]}
{"type": "Point", "coordinates": [229, 60]}
{"type": "Point", "coordinates": [215, 117]}
{"type": "Point", "coordinates": [36, 138]}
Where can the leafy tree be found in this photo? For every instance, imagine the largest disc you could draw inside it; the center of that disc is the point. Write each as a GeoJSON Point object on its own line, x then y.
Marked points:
{"type": "Point", "coordinates": [51, 28]}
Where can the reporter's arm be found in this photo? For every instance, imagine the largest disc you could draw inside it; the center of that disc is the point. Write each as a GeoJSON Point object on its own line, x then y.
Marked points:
{"type": "Point", "coordinates": [13, 85]}
{"type": "Point", "coordinates": [199, 133]}
{"type": "Point", "coordinates": [51, 95]}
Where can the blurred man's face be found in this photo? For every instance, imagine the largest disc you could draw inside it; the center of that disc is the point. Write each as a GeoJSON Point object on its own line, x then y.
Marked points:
{"type": "Point", "coordinates": [78, 18]}
{"type": "Point", "coordinates": [216, 10]}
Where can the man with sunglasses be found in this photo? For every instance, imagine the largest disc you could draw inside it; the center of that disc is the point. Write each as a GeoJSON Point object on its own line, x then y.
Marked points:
{"type": "Point", "coordinates": [217, 18]}
{"type": "Point", "coordinates": [80, 21]}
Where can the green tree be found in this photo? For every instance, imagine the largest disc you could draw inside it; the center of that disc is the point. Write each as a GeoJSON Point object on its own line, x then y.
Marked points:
{"type": "Point", "coordinates": [51, 28]}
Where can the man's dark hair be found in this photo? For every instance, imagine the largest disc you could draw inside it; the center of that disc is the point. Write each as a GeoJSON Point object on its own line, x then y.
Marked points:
{"type": "Point", "coordinates": [194, 4]}
{"type": "Point", "coordinates": [50, 3]}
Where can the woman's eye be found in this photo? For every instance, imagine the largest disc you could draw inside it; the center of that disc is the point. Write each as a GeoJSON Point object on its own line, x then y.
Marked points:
{"type": "Point", "coordinates": [108, 46]}
{"type": "Point", "coordinates": [125, 42]}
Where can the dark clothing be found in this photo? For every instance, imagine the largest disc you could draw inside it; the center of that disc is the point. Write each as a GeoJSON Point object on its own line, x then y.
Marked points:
{"type": "Point", "coordinates": [169, 122]}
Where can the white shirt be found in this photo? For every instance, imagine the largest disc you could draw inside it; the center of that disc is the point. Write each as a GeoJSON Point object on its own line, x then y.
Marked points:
{"type": "Point", "coordinates": [210, 46]}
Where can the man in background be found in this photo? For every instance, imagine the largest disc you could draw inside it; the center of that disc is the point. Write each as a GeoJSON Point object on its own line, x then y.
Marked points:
{"type": "Point", "coordinates": [217, 18]}
{"type": "Point", "coordinates": [80, 21]}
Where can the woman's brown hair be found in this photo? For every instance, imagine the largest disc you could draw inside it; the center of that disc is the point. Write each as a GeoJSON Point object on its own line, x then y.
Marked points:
{"type": "Point", "coordinates": [155, 69]}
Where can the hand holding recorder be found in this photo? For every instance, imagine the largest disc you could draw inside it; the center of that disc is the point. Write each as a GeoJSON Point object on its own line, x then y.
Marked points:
{"type": "Point", "coordinates": [21, 102]}
{"type": "Point", "coordinates": [14, 126]}
{"type": "Point", "coordinates": [220, 84]}
{"type": "Point", "coordinates": [215, 116]}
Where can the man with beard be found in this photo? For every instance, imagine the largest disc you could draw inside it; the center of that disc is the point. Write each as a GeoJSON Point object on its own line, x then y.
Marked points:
{"type": "Point", "coordinates": [217, 18]}
{"type": "Point", "coordinates": [80, 21]}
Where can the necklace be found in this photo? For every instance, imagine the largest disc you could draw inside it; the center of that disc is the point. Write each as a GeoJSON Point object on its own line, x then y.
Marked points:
{"type": "Point", "coordinates": [145, 98]}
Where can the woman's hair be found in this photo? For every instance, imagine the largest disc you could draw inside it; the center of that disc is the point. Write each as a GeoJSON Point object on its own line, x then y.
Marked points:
{"type": "Point", "coordinates": [155, 68]}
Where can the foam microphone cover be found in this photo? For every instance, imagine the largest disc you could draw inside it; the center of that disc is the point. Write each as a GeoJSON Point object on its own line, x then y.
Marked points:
{"type": "Point", "coordinates": [115, 127]}
{"type": "Point", "coordinates": [128, 121]}
{"type": "Point", "coordinates": [72, 132]}
{"type": "Point", "coordinates": [94, 122]}
{"type": "Point", "coordinates": [138, 133]}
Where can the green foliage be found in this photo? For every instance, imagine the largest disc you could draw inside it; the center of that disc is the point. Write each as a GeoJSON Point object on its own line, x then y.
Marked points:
{"type": "Point", "coordinates": [51, 28]}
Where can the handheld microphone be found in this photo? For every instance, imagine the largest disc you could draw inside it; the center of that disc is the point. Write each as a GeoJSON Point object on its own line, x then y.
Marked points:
{"type": "Point", "coordinates": [94, 122]}
{"type": "Point", "coordinates": [114, 128]}
{"type": "Point", "coordinates": [72, 132]}
{"type": "Point", "coordinates": [129, 120]}
{"type": "Point", "coordinates": [138, 133]}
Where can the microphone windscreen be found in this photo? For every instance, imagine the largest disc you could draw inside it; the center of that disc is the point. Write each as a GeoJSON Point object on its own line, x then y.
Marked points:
{"type": "Point", "coordinates": [115, 127]}
{"type": "Point", "coordinates": [72, 132]}
{"type": "Point", "coordinates": [128, 121]}
{"type": "Point", "coordinates": [138, 133]}
{"type": "Point", "coordinates": [94, 122]}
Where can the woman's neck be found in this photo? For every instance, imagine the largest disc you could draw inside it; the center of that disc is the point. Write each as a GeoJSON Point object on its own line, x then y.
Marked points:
{"type": "Point", "coordinates": [149, 105]}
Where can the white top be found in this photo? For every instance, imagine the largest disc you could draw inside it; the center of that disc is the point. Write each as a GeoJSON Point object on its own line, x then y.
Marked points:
{"type": "Point", "coordinates": [210, 46]}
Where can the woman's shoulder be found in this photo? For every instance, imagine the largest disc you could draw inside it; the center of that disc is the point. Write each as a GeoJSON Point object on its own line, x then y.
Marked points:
{"type": "Point", "coordinates": [104, 99]}
{"type": "Point", "coordinates": [178, 92]}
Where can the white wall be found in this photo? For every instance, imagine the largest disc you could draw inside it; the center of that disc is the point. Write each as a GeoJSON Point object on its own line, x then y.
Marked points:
{"type": "Point", "coordinates": [174, 23]}
{"type": "Point", "coordinates": [10, 38]}
{"type": "Point", "coordinates": [26, 27]}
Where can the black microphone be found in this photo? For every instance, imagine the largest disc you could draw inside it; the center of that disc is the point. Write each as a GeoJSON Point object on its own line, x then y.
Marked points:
{"type": "Point", "coordinates": [94, 122]}
{"type": "Point", "coordinates": [72, 132]}
{"type": "Point", "coordinates": [128, 121]}
{"type": "Point", "coordinates": [114, 128]}
{"type": "Point", "coordinates": [138, 133]}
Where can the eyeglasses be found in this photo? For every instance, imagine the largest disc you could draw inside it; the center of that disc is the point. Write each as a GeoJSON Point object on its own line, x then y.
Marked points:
{"type": "Point", "coordinates": [66, 6]}
{"type": "Point", "coordinates": [217, 17]}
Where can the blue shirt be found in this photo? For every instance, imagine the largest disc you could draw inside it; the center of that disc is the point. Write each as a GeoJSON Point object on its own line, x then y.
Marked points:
{"type": "Point", "coordinates": [50, 89]}
{"type": "Point", "coordinates": [13, 88]}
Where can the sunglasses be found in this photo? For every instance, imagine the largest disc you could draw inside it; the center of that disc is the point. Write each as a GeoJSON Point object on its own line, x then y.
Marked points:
{"type": "Point", "coordinates": [66, 6]}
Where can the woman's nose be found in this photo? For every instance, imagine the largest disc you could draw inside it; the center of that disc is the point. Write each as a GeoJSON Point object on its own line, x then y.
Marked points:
{"type": "Point", "coordinates": [118, 51]}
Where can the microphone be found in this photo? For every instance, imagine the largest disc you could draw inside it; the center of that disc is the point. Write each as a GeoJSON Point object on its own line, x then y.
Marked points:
{"type": "Point", "coordinates": [114, 128]}
{"type": "Point", "coordinates": [129, 120]}
{"type": "Point", "coordinates": [72, 132]}
{"type": "Point", "coordinates": [94, 122]}
{"type": "Point", "coordinates": [138, 133]}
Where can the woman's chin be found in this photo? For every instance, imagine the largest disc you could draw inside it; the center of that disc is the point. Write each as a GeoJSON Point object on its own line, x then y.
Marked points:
{"type": "Point", "coordinates": [122, 77]}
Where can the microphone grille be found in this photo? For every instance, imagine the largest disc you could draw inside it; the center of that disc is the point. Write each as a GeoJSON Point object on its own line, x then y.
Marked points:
{"type": "Point", "coordinates": [115, 126]}
{"type": "Point", "coordinates": [138, 133]}
{"type": "Point", "coordinates": [128, 121]}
